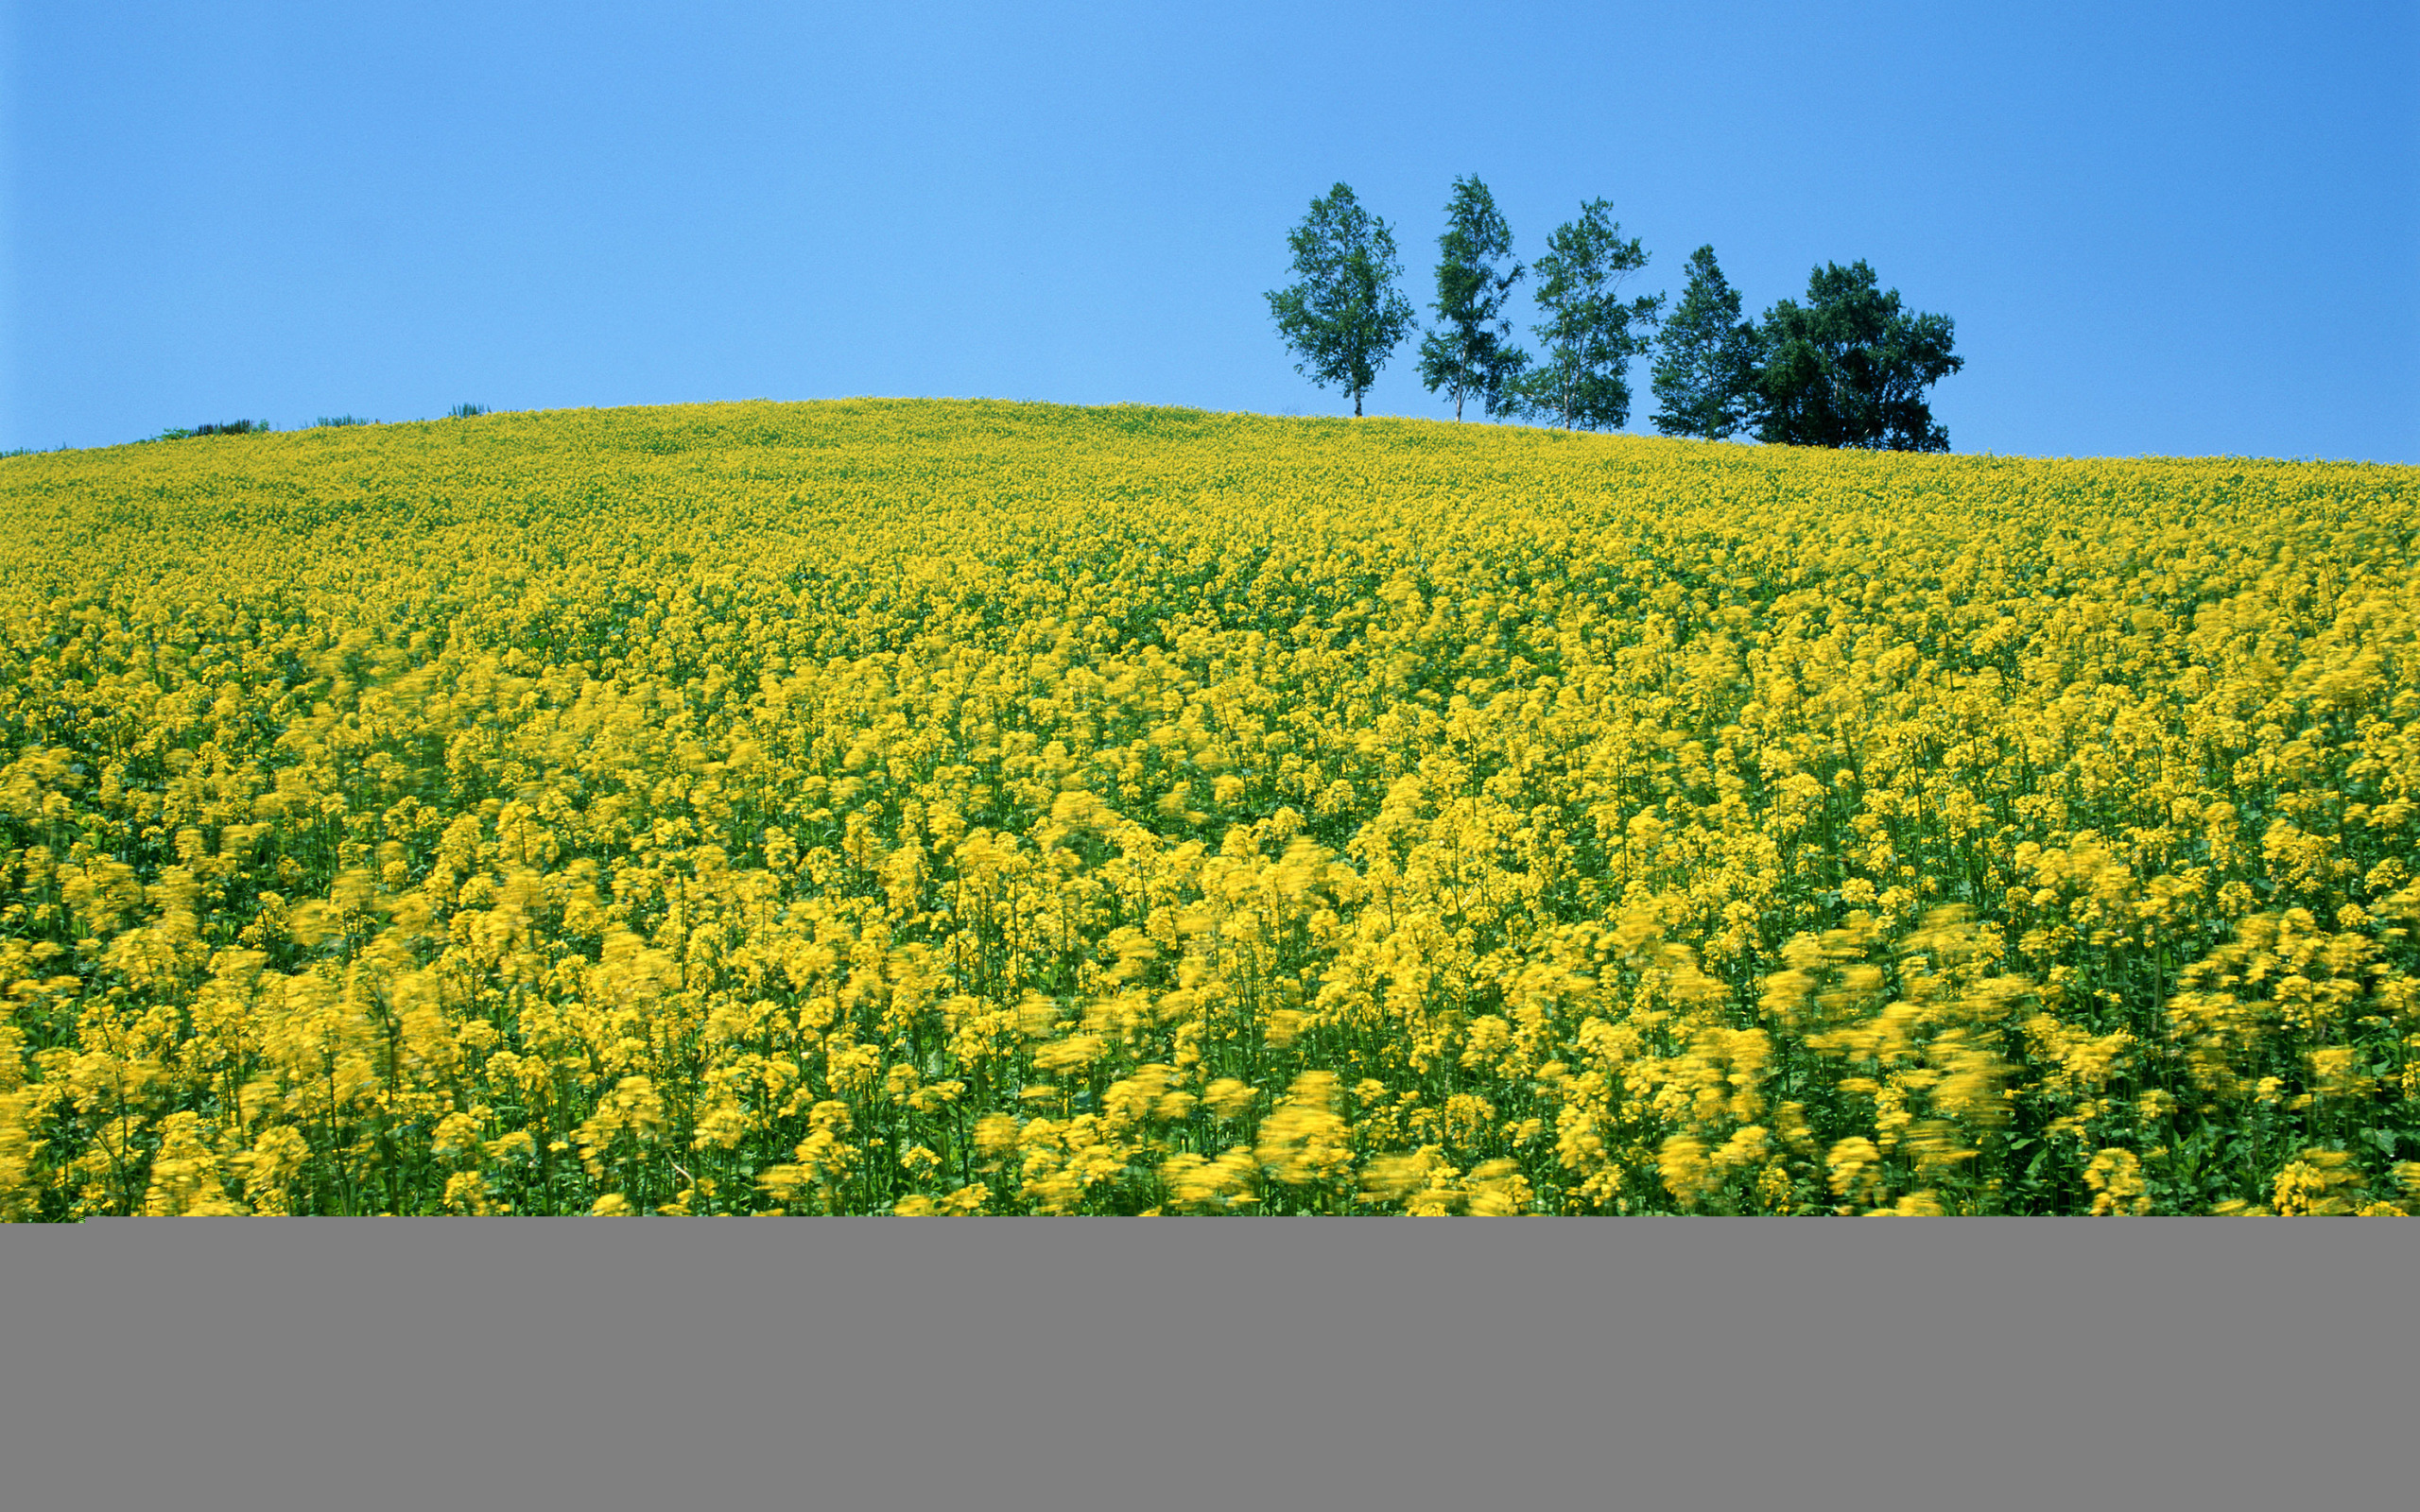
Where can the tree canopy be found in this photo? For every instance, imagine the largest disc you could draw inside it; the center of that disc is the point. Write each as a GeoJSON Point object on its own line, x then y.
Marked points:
{"type": "Point", "coordinates": [1471, 354]}
{"type": "Point", "coordinates": [1342, 315]}
{"type": "Point", "coordinates": [1587, 331]}
{"type": "Point", "coordinates": [1706, 366]}
{"type": "Point", "coordinates": [1850, 366]}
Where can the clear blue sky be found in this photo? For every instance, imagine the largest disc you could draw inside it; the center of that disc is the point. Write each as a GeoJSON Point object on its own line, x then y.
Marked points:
{"type": "Point", "coordinates": [2161, 228]}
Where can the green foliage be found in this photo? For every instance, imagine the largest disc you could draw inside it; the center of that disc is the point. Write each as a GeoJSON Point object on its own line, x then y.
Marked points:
{"type": "Point", "coordinates": [1582, 380]}
{"type": "Point", "coordinates": [1343, 315]}
{"type": "Point", "coordinates": [344, 420]}
{"type": "Point", "coordinates": [232, 428]}
{"type": "Point", "coordinates": [1850, 367]}
{"type": "Point", "coordinates": [1706, 366]}
{"type": "Point", "coordinates": [465, 411]}
{"type": "Point", "coordinates": [1471, 354]}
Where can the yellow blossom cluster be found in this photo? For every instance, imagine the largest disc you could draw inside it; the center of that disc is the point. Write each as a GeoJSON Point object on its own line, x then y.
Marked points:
{"type": "Point", "coordinates": [969, 807]}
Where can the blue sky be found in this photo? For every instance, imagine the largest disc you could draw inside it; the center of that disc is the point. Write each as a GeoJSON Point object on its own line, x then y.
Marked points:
{"type": "Point", "coordinates": [2179, 230]}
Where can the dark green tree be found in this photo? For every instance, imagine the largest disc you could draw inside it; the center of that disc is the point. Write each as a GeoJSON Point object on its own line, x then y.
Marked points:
{"type": "Point", "coordinates": [1581, 379]}
{"type": "Point", "coordinates": [1343, 315]}
{"type": "Point", "coordinates": [1471, 352]}
{"type": "Point", "coordinates": [1705, 363]}
{"type": "Point", "coordinates": [1850, 366]}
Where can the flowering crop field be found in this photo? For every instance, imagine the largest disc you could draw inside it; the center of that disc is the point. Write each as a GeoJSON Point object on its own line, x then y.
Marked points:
{"type": "Point", "coordinates": [972, 807]}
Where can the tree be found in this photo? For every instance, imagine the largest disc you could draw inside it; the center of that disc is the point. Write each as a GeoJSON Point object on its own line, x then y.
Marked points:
{"type": "Point", "coordinates": [1706, 366]}
{"type": "Point", "coordinates": [1471, 352]}
{"type": "Point", "coordinates": [1343, 315]}
{"type": "Point", "coordinates": [1850, 366]}
{"type": "Point", "coordinates": [1583, 379]}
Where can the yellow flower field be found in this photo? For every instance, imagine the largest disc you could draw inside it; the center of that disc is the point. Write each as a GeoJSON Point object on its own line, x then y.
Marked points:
{"type": "Point", "coordinates": [976, 807]}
